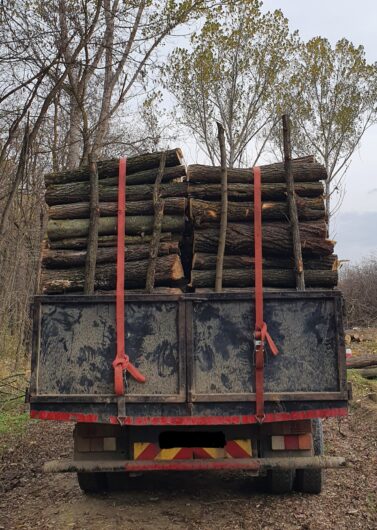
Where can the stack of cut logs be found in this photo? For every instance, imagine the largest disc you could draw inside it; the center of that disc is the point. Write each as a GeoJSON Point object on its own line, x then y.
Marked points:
{"type": "Point", "coordinates": [68, 198]}
{"type": "Point", "coordinates": [320, 264]}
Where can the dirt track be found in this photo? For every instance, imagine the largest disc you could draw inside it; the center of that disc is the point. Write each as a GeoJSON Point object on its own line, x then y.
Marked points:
{"type": "Point", "coordinates": [31, 500]}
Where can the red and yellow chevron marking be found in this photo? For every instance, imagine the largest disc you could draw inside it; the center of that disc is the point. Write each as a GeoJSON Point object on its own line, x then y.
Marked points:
{"type": "Point", "coordinates": [149, 451]}
{"type": "Point", "coordinates": [233, 449]}
{"type": "Point", "coordinates": [238, 449]}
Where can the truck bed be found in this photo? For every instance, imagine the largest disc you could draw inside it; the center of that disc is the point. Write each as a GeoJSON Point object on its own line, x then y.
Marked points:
{"type": "Point", "coordinates": [197, 354]}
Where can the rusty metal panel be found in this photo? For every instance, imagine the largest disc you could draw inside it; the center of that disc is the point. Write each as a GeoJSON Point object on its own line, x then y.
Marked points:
{"type": "Point", "coordinates": [304, 330]}
{"type": "Point", "coordinates": [77, 348]}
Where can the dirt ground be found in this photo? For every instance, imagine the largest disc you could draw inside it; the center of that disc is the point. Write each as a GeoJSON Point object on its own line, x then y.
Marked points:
{"type": "Point", "coordinates": [30, 499]}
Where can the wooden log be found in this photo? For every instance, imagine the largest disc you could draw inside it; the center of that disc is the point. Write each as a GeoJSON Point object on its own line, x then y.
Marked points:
{"type": "Point", "coordinates": [110, 168]}
{"type": "Point", "coordinates": [303, 171]}
{"type": "Point", "coordinates": [135, 225]}
{"type": "Point", "coordinates": [245, 192]}
{"type": "Point", "coordinates": [79, 243]}
{"type": "Point", "coordinates": [80, 210]}
{"type": "Point", "coordinates": [369, 373]}
{"type": "Point", "coordinates": [79, 192]}
{"type": "Point", "coordinates": [55, 259]}
{"type": "Point", "coordinates": [158, 205]}
{"type": "Point", "coordinates": [223, 210]}
{"type": "Point", "coordinates": [149, 176]}
{"type": "Point", "coordinates": [362, 361]}
{"type": "Point", "coordinates": [93, 226]}
{"type": "Point", "coordinates": [202, 261]}
{"type": "Point", "coordinates": [271, 278]}
{"type": "Point", "coordinates": [169, 271]}
{"type": "Point", "coordinates": [208, 212]}
{"type": "Point", "coordinates": [292, 207]}
{"type": "Point", "coordinates": [277, 239]}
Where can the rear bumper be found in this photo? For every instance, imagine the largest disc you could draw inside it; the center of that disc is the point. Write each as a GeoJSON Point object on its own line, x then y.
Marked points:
{"type": "Point", "coordinates": [256, 465]}
{"type": "Point", "coordinates": [195, 420]}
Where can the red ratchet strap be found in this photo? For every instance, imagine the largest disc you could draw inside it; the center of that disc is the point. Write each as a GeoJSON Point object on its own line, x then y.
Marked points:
{"type": "Point", "coordinates": [122, 361]}
{"type": "Point", "coordinates": [261, 334]}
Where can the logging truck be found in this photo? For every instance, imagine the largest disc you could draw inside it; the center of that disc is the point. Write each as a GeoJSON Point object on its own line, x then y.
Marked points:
{"type": "Point", "coordinates": [178, 379]}
{"type": "Point", "coordinates": [197, 409]}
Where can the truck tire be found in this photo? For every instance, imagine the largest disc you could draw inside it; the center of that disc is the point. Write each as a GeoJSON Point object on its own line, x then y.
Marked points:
{"type": "Point", "coordinates": [280, 481]}
{"type": "Point", "coordinates": [92, 482]}
{"type": "Point", "coordinates": [311, 480]}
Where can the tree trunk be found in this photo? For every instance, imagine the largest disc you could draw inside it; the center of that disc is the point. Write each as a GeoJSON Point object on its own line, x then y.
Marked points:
{"type": "Point", "coordinates": [168, 271]}
{"type": "Point", "coordinates": [93, 228]}
{"type": "Point", "coordinates": [245, 192]}
{"type": "Point", "coordinates": [202, 261]}
{"type": "Point", "coordinates": [205, 212]}
{"type": "Point", "coordinates": [291, 196]}
{"type": "Point", "coordinates": [302, 172]}
{"type": "Point", "coordinates": [369, 373]}
{"type": "Point", "coordinates": [362, 361]}
{"type": "Point", "coordinates": [79, 192]}
{"type": "Point", "coordinates": [135, 225]}
{"type": "Point", "coordinates": [158, 205]}
{"type": "Point", "coordinates": [148, 177]}
{"type": "Point", "coordinates": [75, 139]}
{"type": "Point", "coordinates": [277, 239]}
{"type": "Point", "coordinates": [271, 278]}
{"type": "Point", "coordinates": [223, 212]}
{"type": "Point", "coordinates": [55, 259]}
{"type": "Point", "coordinates": [78, 243]}
{"type": "Point", "coordinates": [81, 210]}
{"type": "Point", "coordinates": [110, 168]}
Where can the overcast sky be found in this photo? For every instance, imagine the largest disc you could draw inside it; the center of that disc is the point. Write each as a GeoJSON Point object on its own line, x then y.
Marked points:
{"type": "Point", "coordinates": [355, 226]}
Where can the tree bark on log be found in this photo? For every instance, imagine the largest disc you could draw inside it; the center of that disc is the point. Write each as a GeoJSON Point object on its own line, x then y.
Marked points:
{"type": "Point", "coordinates": [271, 278]}
{"type": "Point", "coordinates": [79, 243]}
{"type": "Point", "coordinates": [208, 212]}
{"type": "Point", "coordinates": [168, 272]}
{"type": "Point", "coordinates": [93, 226]}
{"type": "Point", "coordinates": [277, 239]}
{"type": "Point", "coordinates": [302, 172]}
{"type": "Point", "coordinates": [292, 207]}
{"type": "Point", "coordinates": [202, 261]}
{"type": "Point", "coordinates": [135, 225]}
{"type": "Point", "coordinates": [362, 361]}
{"type": "Point", "coordinates": [148, 177]}
{"type": "Point", "coordinates": [81, 210]}
{"type": "Point", "coordinates": [79, 192]}
{"type": "Point", "coordinates": [158, 205]}
{"type": "Point", "coordinates": [223, 210]}
{"type": "Point", "coordinates": [55, 259]}
{"type": "Point", "coordinates": [110, 168]}
{"type": "Point", "coordinates": [245, 192]}
{"type": "Point", "coordinates": [369, 373]}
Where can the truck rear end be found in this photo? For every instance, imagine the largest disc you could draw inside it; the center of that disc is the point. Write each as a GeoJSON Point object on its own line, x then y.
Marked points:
{"type": "Point", "coordinates": [198, 408]}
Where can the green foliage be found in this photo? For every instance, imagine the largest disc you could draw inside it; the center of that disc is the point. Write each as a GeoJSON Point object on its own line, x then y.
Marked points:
{"type": "Point", "coordinates": [232, 73]}
{"type": "Point", "coordinates": [331, 93]}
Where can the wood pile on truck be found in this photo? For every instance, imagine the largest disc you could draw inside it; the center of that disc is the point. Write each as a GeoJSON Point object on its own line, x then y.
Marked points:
{"type": "Point", "coordinates": [320, 264]}
{"type": "Point", "coordinates": [68, 198]}
{"type": "Point", "coordinates": [187, 241]}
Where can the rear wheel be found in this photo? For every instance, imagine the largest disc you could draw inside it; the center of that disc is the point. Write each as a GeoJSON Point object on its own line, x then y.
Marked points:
{"type": "Point", "coordinates": [280, 481]}
{"type": "Point", "coordinates": [311, 480]}
{"type": "Point", "coordinates": [92, 482]}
